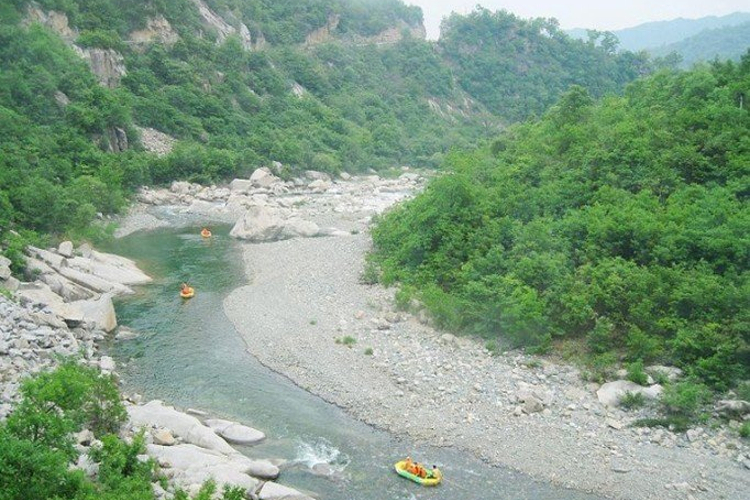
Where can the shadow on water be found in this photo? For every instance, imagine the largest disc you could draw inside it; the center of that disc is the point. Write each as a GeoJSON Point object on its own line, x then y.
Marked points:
{"type": "Point", "coordinates": [189, 355]}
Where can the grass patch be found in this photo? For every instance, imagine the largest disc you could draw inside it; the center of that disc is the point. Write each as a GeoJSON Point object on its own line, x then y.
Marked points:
{"type": "Point", "coordinates": [348, 341]}
{"type": "Point", "coordinates": [369, 351]}
{"type": "Point", "coordinates": [636, 373]}
{"type": "Point", "coordinates": [676, 424]}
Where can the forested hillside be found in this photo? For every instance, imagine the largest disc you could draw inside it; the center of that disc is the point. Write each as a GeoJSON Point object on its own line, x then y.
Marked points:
{"type": "Point", "coordinates": [329, 85]}
{"type": "Point", "coordinates": [518, 68]}
{"type": "Point", "coordinates": [617, 229]}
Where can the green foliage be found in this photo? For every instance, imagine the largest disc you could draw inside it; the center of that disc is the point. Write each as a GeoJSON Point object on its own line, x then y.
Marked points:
{"type": "Point", "coordinates": [369, 351]}
{"type": "Point", "coordinates": [67, 399]}
{"type": "Point", "coordinates": [619, 225]}
{"type": "Point", "coordinates": [632, 400]}
{"type": "Point", "coordinates": [532, 61]}
{"type": "Point", "coordinates": [29, 469]}
{"type": "Point", "coordinates": [636, 373]}
{"type": "Point", "coordinates": [347, 340]}
{"type": "Point", "coordinates": [745, 429]}
{"type": "Point", "coordinates": [684, 399]}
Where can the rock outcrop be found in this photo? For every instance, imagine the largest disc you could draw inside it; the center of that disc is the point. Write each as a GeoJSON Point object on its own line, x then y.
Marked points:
{"type": "Point", "coordinates": [79, 288]}
{"type": "Point", "coordinates": [107, 64]}
{"type": "Point", "coordinates": [265, 224]}
{"type": "Point", "coordinates": [157, 30]}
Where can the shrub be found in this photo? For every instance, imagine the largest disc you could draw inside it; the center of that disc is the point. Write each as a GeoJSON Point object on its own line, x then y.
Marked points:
{"type": "Point", "coordinates": [684, 399]}
{"type": "Point", "coordinates": [369, 351]}
{"type": "Point", "coordinates": [370, 274]}
{"type": "Point", "coordinates": [64, 400]}
{"type": "Point", "coordinates": [29, 470]}
{"type": "Point", "coordinates": [636, 373]}
{"type": "Point", "coordinates": [631, 400]}
{"type": "Point", "coordinates": [348, 341]}
{"type": "Point", "coordinates": [745, 429]}
{"type": "Point", "coordinates": [120, 470]}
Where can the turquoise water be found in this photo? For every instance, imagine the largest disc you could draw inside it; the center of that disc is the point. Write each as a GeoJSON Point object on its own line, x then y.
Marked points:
{"type": "Point", "coordinates": [189, 355]}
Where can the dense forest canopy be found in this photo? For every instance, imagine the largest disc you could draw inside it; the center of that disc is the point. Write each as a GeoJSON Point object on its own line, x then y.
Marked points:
{"type": "Point", "coordinates": [518, 68]}
{"type": "Point", "coordinates": [618, 227]}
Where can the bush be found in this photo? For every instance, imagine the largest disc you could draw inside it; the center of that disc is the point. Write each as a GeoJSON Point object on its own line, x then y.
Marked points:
{"type": "Point", "coordinates": [745, 429]}
{"type": "Point", "coordinates": [684, 399]}
{"type": "Point", "coordinates": [631, 400]}
{"type": "Point", "coordinates": [31, 470]}
{"type": "Point", "coordinates": [121, 474]}
{"type": "Point", "coordinates": [348, 341]}
{"type": "Point", "coordinates": [369, 351]}
{"type": "Point", "coordinates": [65, 400]}
{"type": "Point", "coordinates": [636, 373]}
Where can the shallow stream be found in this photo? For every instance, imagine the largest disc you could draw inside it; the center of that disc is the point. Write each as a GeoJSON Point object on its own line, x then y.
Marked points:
{"type": "Point", "coordinates": [189, 355]}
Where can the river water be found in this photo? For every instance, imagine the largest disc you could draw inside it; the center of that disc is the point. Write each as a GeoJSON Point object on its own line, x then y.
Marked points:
{"type": "Point", "coordinates": [189, 355]}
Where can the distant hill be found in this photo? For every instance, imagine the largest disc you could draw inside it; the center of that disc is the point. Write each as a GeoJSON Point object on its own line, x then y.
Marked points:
{"type": "Point", "coordinates": [650, 35]}
{"type": "Point", "coordinates": [660, 33]}
{"type": "Point", "coordinates": [724, 43]}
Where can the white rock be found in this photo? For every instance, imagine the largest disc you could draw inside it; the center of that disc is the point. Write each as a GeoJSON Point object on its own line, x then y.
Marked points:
{"type": "Point", "coordinates": [107, 364]}
{"type": "Point", "coordinates": [65, 249]}
{"type": "Point", "coordinates": [241, 434]}
{"type": "Point", "coordinates": [100, 311]}
{"type": "Point", "coordinates": [610, 393]}
{"type": "Point", "coordinates": [263, 178]}
{"type": "Point", "coordinates": [163, 437]}
{"type": "Point", "coordinates": [189, 428]}
{"type": "Point", "coordinates": [275, 491]}
{"type": "Point", "coordinates": [266, 224]}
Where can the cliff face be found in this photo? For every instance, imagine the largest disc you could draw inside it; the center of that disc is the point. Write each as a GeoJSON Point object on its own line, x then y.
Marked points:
{"type": "Point", "coordinates": [394, 34]}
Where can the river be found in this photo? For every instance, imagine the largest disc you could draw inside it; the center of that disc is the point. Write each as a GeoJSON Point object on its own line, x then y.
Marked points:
{"type": "Point", "coordinates": [189, 355]}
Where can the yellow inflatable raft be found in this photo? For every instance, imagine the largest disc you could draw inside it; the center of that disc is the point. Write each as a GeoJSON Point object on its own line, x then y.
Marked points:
{"type": "Point", "coordinates": [206, 233]}
{"type": "Point", "coordinates": [187, 294]}
{"type": "Point", "coordinates": [432, 479]}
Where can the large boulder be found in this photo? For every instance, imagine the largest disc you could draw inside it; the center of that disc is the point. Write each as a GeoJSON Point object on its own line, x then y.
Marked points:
{"type": "Point", "coordinates": [4, 268]}
{"type": "Point", "coordinates": [189, 428]}
{"type": "Point", "coordinates": [611, 393]}
{"type": "Point", "coordinates": [241, 185]}
{"type": "Point", "coordinates": [100, 311]}
{"type": "Point", "coordinates": [261, 224]}
{"type": "Point", "coordinates": [194, 465]}
{"type": "Point", "coordinates": [263, 177]}
{"type": "Point", "coordinates": [65, 249]}
{"type": "Point", "coordinates": [733, 407]}
{"type": "Point", "coordinates": [93, 282]}
{"type": "Point", "coordinates": [65, 288]}
{"type": "Point", "coordinates": [275, 491]}
{"type": "Point", "coordinates": [236, 433]}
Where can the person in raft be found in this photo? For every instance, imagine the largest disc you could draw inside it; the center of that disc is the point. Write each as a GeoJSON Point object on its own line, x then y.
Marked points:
{"type": "Point", "coordinates": [435, 473]}
{"type": "Point", "coordinates": [408, 464]}
{"type": "Point", "coordinates": [419, 470]}
{"type": "Point", "coordinates": [185, 288]}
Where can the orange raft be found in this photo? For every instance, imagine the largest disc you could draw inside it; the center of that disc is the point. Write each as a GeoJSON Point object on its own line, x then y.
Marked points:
{"type": "Point", "coordinates": [206, 233]}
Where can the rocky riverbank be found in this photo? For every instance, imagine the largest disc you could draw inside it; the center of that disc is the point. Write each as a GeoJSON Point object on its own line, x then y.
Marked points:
{"type": "Point", "coordinates": [66, 312]}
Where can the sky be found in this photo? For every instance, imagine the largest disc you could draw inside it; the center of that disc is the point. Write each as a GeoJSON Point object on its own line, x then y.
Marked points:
{"type": "Point", "coordinates": [604, 15]}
